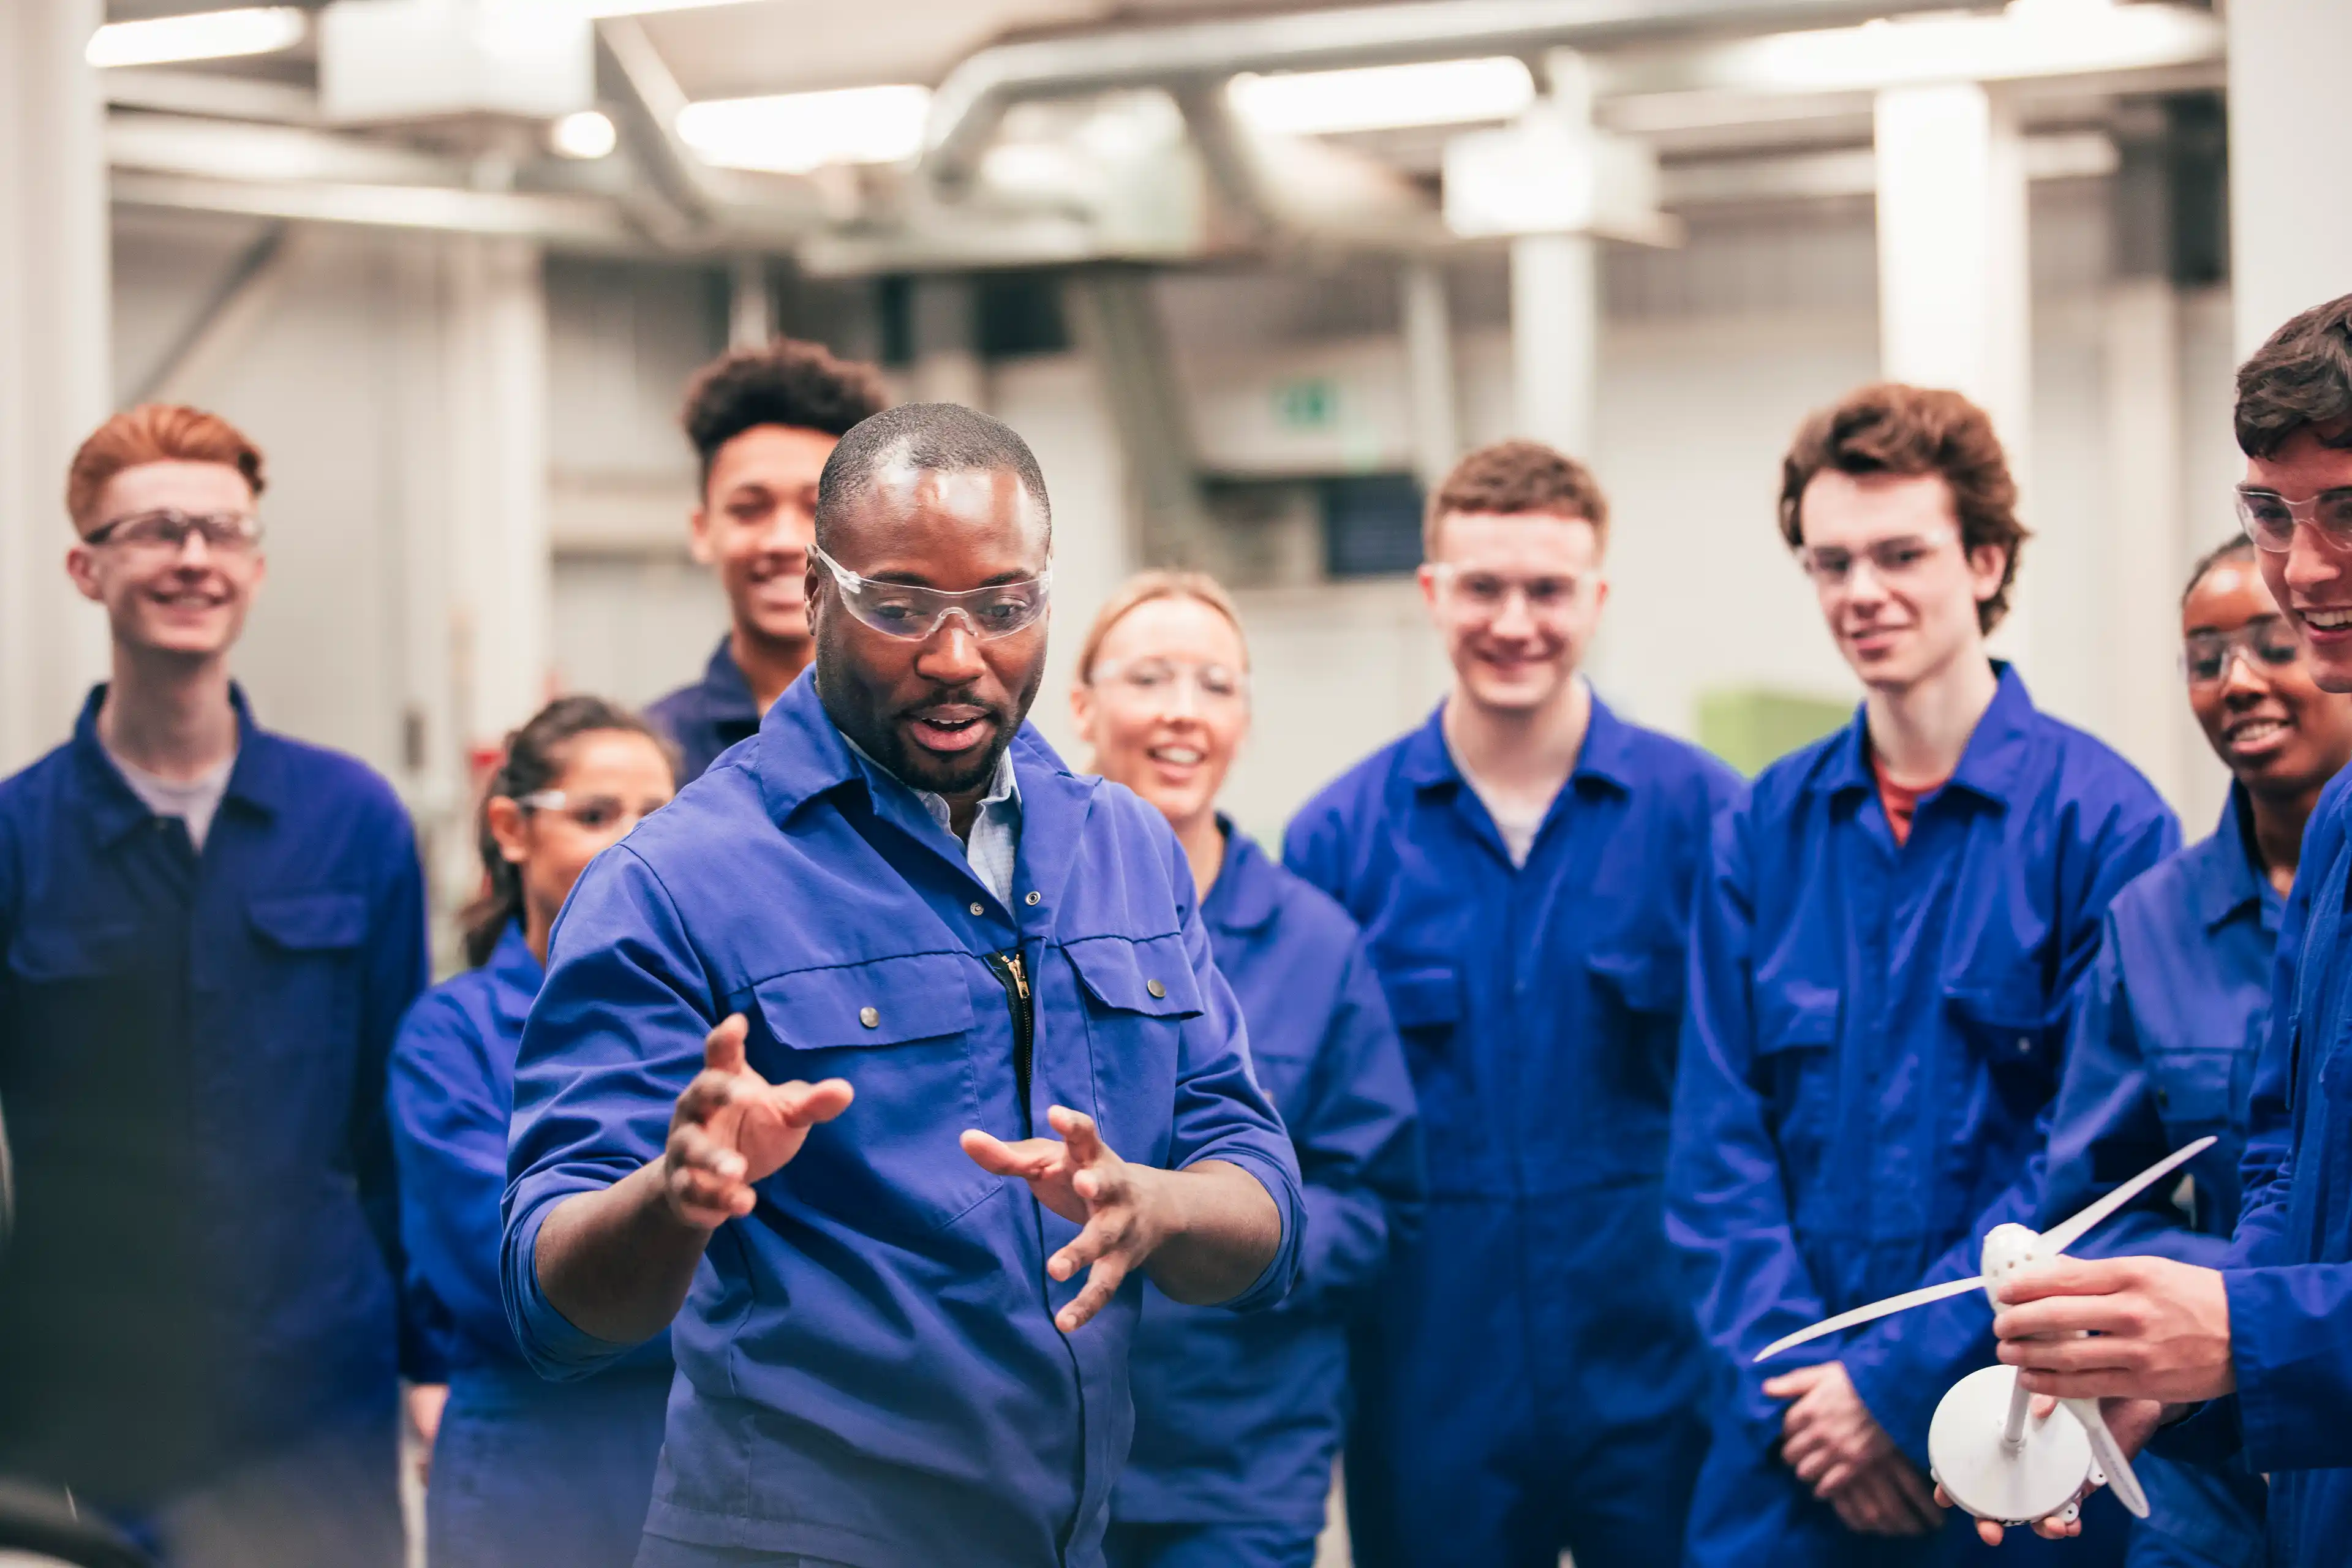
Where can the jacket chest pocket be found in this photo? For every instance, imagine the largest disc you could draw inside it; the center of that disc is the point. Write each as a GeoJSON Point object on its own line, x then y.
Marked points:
{"type": "Point", "coordinates": [901, 1031]}
{"type": "Point", "coordinates": [2018, 1036]}
{"type": "Point", "coordinates": [2199, 1091]}
{"type": "Point", "coordinates": [1640, 994]}
{"type": "Point", "coordinates": [1795, 1068]}
{"type": "Point", "coordinates": [75, 991]}
{"type": "Point", "coordinates": [308, 949]}
{"type": "Point", "coordinates": [1138, 994]}
{"type": "Point", "coordinates": [1424, 996]}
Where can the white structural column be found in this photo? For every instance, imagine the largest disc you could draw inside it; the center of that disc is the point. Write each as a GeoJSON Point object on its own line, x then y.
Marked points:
{"type": "Point", "coordinates": [751, 303]}
{"type": "Point", "coordinates": [54, 357]}
{"type": "Point", "coordinates": [494, 348]}
{"type": "Point", "coordinates": [1556, 338]}
{"type": "Point", "coordinates": [2290, 118]}
{"type": "Point", "coordinates": [946, 331]}
{"type": "Point", "coordinates": [1954, 285]}
{"type": "Point", "coordinates": [2147, 549]}
{"type": "Point", "coordinates": [1429, 372]}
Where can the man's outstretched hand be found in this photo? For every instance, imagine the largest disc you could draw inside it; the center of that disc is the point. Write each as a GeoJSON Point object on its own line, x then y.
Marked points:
{"type": "Point", "coordinates": [1123, 1207]}
{"type": "Point", "coordinates": [733, 1128]}
{"type": "Point", "coordinates": [2137, 1328]}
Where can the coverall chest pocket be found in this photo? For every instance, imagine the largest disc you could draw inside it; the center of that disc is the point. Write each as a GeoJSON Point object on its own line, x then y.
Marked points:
{"type": "Point", "coordinates": [2018, 1036]}
{"type": "Point", "coordinates": [901, 1031]}
{"type": "Point", "coordinates": [1796, 1071]}
{"type": "Point", "coordinates": [308, 980]}
{"type": "Point", "coordinates": [78, 985]}
{"type": "Point", "coordinates": [2199, 1091]}
{"type": "Point", "coordinates": [1138, 994]}
{"type": "Point", "coordinates": [1640, 994]}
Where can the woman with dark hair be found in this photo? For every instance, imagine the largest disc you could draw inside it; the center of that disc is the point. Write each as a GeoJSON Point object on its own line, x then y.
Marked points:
{"type": "Point", "coordinates": [525, 1472]}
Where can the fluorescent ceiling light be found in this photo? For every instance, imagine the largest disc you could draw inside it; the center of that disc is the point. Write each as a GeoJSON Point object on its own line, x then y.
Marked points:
{"type": "Point", "coordinates": [1380, 97]}
{"type": "Point", "coordinates": [592, 9]}
{"type": "Point", "coordinates": [797, 132]}
{"type": "Point", "coordinates": [585, 136]}
{"type": "Point", "coordinates": [206, 36]}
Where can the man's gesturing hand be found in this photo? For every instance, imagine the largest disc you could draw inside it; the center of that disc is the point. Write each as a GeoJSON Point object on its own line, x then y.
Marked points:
{"type": "Point", "coordinates": [1083, 1181]}
{"type": "Point", "coordinates": [2161, 1328]}
{"type": "Point", "coordinates": [732, 1127]}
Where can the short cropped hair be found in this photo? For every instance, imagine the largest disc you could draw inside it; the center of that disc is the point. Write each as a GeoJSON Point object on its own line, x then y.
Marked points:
{"type": "Point", "coordinates": [1517, 479]}
{"type": "Point", "coordinates": [2301, 379]}
{"type": "Point", "coordinates": [1891, 428]}
{"type": "Point", "coordinates": [154, 433]}
{"type": "Point", "coordinates": [787, 382]}
{"type": "Point", "coordinates": [1148, 587]}
{"type": "Point", "coordinates": [936, 437]}
{"type": "Point", "coordinates": [2232, 548]}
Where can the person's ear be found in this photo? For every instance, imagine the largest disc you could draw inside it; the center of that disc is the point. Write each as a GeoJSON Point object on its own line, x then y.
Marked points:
{"type": "Point", "coordinates": [697, 537]}
{"type": "Point", "coordinates": [1985, 564]}
{"type": "Point", "coordinates": [1081, 712]}
{"type": "Point", "coordinates": [81, 566]}
{"type": "Point", "coordinates": [1426, 575]}
{"type": "Point", "coordinates": [510, 829]}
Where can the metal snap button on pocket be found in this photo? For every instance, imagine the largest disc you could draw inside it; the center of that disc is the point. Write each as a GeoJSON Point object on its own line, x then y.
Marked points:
{"type": "Point", "coordinates": [1034, 899]}
{"type": "Point", "coordinates": [869, 1017]}
{"type": "Point", "coordinates": [1158, 991]}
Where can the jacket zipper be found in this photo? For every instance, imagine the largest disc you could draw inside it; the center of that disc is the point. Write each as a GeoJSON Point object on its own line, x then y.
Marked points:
{"type": "Point", "coordinates": [1013, 975]}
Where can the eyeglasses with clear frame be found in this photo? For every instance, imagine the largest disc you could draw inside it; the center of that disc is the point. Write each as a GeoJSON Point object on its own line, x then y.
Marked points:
{"type": "Point", "coordinates": [166, 532]}
{"type": "Point", "coordinates": [1896, 560]}
{"type": "Point", "coordinates": [2270, 518]}
{"type": "Point", "coordinates": [913, 614]}
{"type": "Point", "coordinates": [2266, 642]}
{"type": "Point", "coordinates": [590, 814]}
{"type": "Point", "coordinates": [1476, 595]}
{"type": "Point", "coordinates": [1213, 685]}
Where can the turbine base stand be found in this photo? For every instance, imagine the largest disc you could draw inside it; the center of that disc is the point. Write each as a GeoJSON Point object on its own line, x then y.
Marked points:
{"type": "Point", "coordinates": [1986, 1478]}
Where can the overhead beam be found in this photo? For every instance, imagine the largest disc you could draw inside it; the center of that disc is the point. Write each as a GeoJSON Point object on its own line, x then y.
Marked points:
{"type": "Point", "coordinates": [224, 323]}
{"type": "Point", "coordinates": [571, 220]}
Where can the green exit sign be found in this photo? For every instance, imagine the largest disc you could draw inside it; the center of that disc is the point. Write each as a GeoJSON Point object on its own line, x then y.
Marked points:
{"type": "Point", "coordinates": [1312, 403]}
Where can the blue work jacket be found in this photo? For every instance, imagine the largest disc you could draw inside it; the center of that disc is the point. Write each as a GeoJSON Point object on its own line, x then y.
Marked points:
{"type": "Point", "coordinates": [2166, 1028]}
{"type": "Point", "coordinates": [191, 1063]}
{"type": "Point", "coordinates": [2289, 1271]}
{"type": "Point", "coordinates": [1874, 1032]}
{"type": "Point", "coordinates": [1237, 1419]}
{"type": "Point", "coordinates": [869, 1370]}
{"type": "Point", "coordinates": [705, 717]}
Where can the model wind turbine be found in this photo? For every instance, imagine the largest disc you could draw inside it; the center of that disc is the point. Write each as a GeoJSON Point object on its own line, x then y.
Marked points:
{"type": "Point", "coordinates": [1984, 1448]}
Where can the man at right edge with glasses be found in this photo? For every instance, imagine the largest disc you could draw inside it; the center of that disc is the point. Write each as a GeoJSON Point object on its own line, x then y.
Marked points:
{"type": "Point", "coordinates": [883, 1061]}
{"type": "Point", "coordinates": [1882, 959]}
{"type": "Point", "coordinates": [2264, 1340]}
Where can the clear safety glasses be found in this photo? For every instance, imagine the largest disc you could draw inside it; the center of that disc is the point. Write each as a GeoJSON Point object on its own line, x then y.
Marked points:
{"type": "Point", "coordinates": [2266, 642]}
{"type": "Point", "coordinates": [904, 610]}
{"type": "Point", "coordinates": [1168, 681]}
{"type": "Point", "coordinates": [2269, 518]}
{"type": "Point", "coordinates": [166, 532]}
{"type": "Point", "coordinates": [1896, 560]}
{"type": "Point", "coordinates": [591, 813]}
{"type": "Point", "coordinates": [1471, 594]}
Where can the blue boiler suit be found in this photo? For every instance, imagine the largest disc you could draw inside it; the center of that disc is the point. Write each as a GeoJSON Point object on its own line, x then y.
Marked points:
{"type": "Point", "coordinates": [1237, 1419]}
{"type": "Point", "coordinates": [869, 1372]}
{"type": "Point", "coordinates": [1874, 1032]}
{"type": "Point", "coordinates": [199, 1328]}
{"type": "Point", "coordinates": [1529, 1377]}
{"type": "Point", "coordinates": [525, 1471]}
{"type": "Point", "coordinates": [2166, 1030]}
{"type": "Point", "coordinates": [705, 717]}
{"type": "Point", "coordinates": [2289, 1269]}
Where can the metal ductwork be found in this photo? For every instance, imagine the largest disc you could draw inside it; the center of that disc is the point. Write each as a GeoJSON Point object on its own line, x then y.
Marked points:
{"type": "Point", "coordinates": [972, 100]}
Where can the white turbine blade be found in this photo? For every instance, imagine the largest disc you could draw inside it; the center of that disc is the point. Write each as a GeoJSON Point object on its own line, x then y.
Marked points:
{"type": "Point", "coordinates": [1902, 1303]}
{"type": "Point", "coordinates": [2059, 1238]}
{"type": "Point", "coordinates": [2110, 1457]}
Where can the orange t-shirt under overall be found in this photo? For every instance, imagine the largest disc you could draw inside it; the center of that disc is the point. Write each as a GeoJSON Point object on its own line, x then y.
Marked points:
{"type": "Point", "coordinates": [1900, 801]}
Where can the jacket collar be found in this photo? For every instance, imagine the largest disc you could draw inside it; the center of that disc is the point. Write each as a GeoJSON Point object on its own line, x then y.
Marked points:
{"type": "Point", "coordinates": [256, 781]}
{"type": "Point", "coordinates": [726, 694]}
{"type": "Point", "coordinates": [1243, 897]}
{"type": "Point", "coordinates": [1998, 750]}
{"type": "Point", "coordinates": [1606, 757]}
{"type": "Point", "coordinates": [2225, 878]}
{"type": "Point", "coordinates": [515, 975]}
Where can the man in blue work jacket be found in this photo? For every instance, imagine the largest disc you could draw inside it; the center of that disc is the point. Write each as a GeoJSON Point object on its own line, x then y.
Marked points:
{"type": "Point", "coordinates": [762, 422]}
{"type": "Point", "coordinates": [2267, 1337]}
{"type": "Point", "coordinates": [1522, 866]}
{"type": "Point", "coordinates": [211, 933]}
{"type": "Point", "coordinates": [1882, 961]}
{"type": "Point", "coordinates": [892, 921]}
{"type": "Point", "coordinates": [2168, 1020]}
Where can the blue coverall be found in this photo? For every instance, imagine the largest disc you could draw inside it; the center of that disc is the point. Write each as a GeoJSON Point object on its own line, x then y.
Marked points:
{"type": "Point", "coordinates": [198, 1321]}
{"type": "Point", "coordinates": [1874, 1032]}
{"type": "Point", "coordinates": [2167, 1025]}
{"type": "Point", "coordinates": [2289, 1269]}
{"type": "Point", "coordinates": [869, 1372]}
{"type": "Point", "coordinates": [1237, 1419]}
{"type": "Point", "coordinates": [1529, 1379]}
{"type": "Point", "coordinates": [705, 717]}
{"type": "Point", "coordinates": [525, 1472]}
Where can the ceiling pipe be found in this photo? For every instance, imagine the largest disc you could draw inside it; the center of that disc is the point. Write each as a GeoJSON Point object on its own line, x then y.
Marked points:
{"type": "Point", "coordinates": [969, 105]}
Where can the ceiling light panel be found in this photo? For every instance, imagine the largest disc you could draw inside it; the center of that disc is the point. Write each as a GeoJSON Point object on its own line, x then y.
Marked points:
{"type": "Point", "coordinates": [799, 132]}
{"type": "Point", "coordinates": [206, 36]}
{"type": "Point", "coordinates": [1382, 98]}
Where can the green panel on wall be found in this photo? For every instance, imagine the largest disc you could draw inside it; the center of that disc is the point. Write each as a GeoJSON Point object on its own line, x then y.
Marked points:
{"type": "Point", "coordinates": [1750, 726]}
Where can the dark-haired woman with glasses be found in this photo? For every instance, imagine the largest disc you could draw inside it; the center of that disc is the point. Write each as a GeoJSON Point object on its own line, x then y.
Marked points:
{"type": "Point", "coordinates": [524, 1472]}
{"type": "Point", "coordinates": [2169, 1018]}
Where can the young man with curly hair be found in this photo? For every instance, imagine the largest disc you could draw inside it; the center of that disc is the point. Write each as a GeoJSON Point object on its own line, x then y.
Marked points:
{"type": "Point", "coordinates": [762, 421]}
